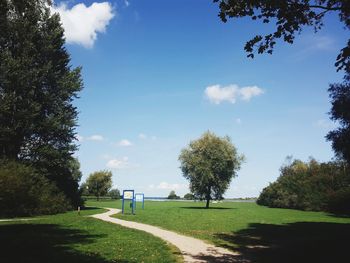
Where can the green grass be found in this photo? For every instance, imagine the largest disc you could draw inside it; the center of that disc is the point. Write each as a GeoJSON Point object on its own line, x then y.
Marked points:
{"type": "Point", "coordinates": [259, 233]}
{"type": "Point", "coordinates": [68, 238]}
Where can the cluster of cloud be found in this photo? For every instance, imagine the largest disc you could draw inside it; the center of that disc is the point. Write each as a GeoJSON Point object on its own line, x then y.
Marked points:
{"type": "Point", "coordinates": [82, 24]}
{"type": "Point", "coordinates": [118, 163]}
{"type": "Point", "coordinates": [167, 186]}
{"type": "Point", "coordinates": [231, 93]}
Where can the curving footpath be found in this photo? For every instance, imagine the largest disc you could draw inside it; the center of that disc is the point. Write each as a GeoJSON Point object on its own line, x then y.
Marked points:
{"type": "Point", "coordinates": [192, 249]}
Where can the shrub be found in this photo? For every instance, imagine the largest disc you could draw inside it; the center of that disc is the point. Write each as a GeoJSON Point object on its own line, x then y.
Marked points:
{"type": "Point", "coordinates": [189, 196]}
{"type": "Point", "coordinates": [172, 195]}
{"type": "Point", "coordinates": [114, 194]}
{"type": "Point", "coordinates": [23, 192]}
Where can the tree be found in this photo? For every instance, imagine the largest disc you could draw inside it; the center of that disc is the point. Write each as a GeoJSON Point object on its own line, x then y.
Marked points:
{"type": "Point", "coordinates": [114, 193]}
{"type": "Point", "coordinates": [290, 17]}
{"type": "Point", "coordinates": [210, 163]}
{"type": "Point", "coordinates": [189, 196]}
{"type": "Point", "coordinates": [172, 195]}
{"type": "Point", "coordinates": [310, 186]}
{"type": "Point", "coordinates": [340, 111]}
{"type": "Point", "coordinates": [37, 88]}
{"type": "Point", "coordinates": [99, 183]}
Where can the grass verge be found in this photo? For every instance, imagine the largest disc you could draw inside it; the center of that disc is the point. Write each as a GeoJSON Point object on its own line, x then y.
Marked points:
{"type": "Point", "coordinates": [259, 233]}
{"type": "Point", "coordinates": [72, 238]}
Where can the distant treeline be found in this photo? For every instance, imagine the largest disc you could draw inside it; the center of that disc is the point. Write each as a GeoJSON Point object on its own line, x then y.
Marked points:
{"type": "Point", "coordinates": [310, 186]}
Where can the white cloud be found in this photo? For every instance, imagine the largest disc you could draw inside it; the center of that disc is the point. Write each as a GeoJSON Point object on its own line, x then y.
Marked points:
{"type": "Point", "coordinates": [154, 138]}
{"type": "Point", "coordinates": [125, 143]}
{"type": "Point", "coordinates": [95, 137]}
{"type": "Point", "coordinates": [231, 93]}
{"type": "Point", "coordinates": [247, 93]}
{"type": "Point", "coordinates": [238, 121]}
{"type": "Point", "coordinates": [142, 136]}
{"type": "Point", "coordinates": [167, 186]}
{"type": "Point", "coordinates": [118, 163]}
{"type": "Point", "coordinates": [126, 3]}
{"type": "Point", "coordinates": [82, 24]}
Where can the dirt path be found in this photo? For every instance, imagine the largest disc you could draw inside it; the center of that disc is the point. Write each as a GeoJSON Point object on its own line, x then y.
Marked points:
{"type": "Point", "coordinates": [192, 249]}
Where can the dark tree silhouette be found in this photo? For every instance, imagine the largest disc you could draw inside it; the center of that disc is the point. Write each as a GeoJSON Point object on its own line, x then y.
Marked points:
{"type": "Point", "coordinates": [37, 88]}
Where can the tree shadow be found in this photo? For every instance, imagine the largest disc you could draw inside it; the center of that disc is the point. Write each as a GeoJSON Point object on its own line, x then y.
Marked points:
{"type": "Point", "coordinates": [296, 242]}
{"type": "Point", "coordinates": [90, 208]}
{"type": "Point", "coordinates": [45, 243]}
{"type": "Point", "coordinates": [204, 208]}
{"type": "Point", "coordinates": [339, 215]}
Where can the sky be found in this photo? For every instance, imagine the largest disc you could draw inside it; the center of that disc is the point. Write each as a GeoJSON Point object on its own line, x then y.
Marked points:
{"type": "Point", "coordinates": [158, 74]}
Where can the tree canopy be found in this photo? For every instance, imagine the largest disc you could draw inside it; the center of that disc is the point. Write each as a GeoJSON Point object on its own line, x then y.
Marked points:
{"type": "Point", "coordinates": [99, 183]}
{"type": "Point", "coordinates": [37, 89]}
{"type": "Point", "coordinates": [290, 17]}
{"type": "Point", "coordinates": [210, 163]}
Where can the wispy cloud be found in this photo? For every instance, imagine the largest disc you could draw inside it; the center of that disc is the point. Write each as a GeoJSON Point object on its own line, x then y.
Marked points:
{"type": "Point", "coordinates": [168, 186]}
{"type": "Point", "coordinates": [142, 136]}
{"type": "Point", "coordinates": [124, 143]}
{"type": "Point", "coordinates": [313, 44]}
{"type": "Point", "coordinates": [82, 24]}
{"type": "Point", "coordinates": [231, 93]}
{"type": "Point", "coordinates": [118, 163]}
{"type": "Point", "coordinates": [95, 137]}
{"type": "Point", "coordinates": [325, 124]}
{"type": "Point", "coordinates": [238, 121]}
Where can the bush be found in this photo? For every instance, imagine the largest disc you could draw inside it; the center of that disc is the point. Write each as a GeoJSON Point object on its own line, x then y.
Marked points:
{"type": "Point", "coordinates": [189, 196]}
{"type": "Point", "coordinates": [114, 194]}
{"type": "Point", "coordinates": [310, 186]}
{"type": "Point", "coordinates": [23, 192]}
{"type": "Point", "coordinates": [172, 195]}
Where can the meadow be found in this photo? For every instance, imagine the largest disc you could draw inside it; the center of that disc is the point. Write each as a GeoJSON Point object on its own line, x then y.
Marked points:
{"type": "Point", "coordinates": [70, 237]}
{"type": "Point", "coordinates": [258, 233]}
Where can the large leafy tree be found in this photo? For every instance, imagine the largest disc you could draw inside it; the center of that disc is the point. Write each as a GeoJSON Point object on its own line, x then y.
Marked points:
{"type": "Point", "coordinates": [210, 163]}
{"type": "Point", "coordinates": [37, 89]}
{"type": "Point", "coordinates": [99, 183]}
{"type": "Point", "coordinates": [290, 17]}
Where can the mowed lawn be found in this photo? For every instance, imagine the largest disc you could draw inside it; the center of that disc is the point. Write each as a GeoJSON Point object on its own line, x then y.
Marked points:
{"type": "Point", "coordinates": [258, 233]}
{"type": "Point", "coordinates": [68, 238]}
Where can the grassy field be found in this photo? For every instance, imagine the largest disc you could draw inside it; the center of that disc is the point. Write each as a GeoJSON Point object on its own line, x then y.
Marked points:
{"type": "Point", "coordinates": [259, 233]}
{"type": "Point", "coordinates": [68, 238]}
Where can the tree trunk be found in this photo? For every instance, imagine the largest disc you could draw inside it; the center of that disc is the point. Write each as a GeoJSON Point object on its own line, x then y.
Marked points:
{"type": "Point", "coordinates": [207, 205]}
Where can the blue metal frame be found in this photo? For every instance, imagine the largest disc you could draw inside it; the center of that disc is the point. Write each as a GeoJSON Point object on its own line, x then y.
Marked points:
{"type": "Point", "coordinates": [143, 199]}
{"type": "Point", "coordinates": [132, 200]}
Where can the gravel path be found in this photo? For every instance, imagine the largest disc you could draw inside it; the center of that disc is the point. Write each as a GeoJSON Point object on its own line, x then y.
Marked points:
{"type": "Point", "coordinates": [192, 249]}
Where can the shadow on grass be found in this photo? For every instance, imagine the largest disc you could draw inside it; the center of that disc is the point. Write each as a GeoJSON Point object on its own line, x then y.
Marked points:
{"type": "Point", "coordinates": [45, 243]}
{"type": "Point", "coordinates": [296, 242]}
{"type": "Point", "coordinates": [90, 208]}
{"type": "Point", "coordinates": [339, 215]}
{"type": "Point", "coordinates": [204, 208]}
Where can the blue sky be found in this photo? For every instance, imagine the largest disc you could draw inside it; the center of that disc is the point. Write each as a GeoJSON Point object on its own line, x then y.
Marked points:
{"type": "Point", "coordinates": [158, 74]}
